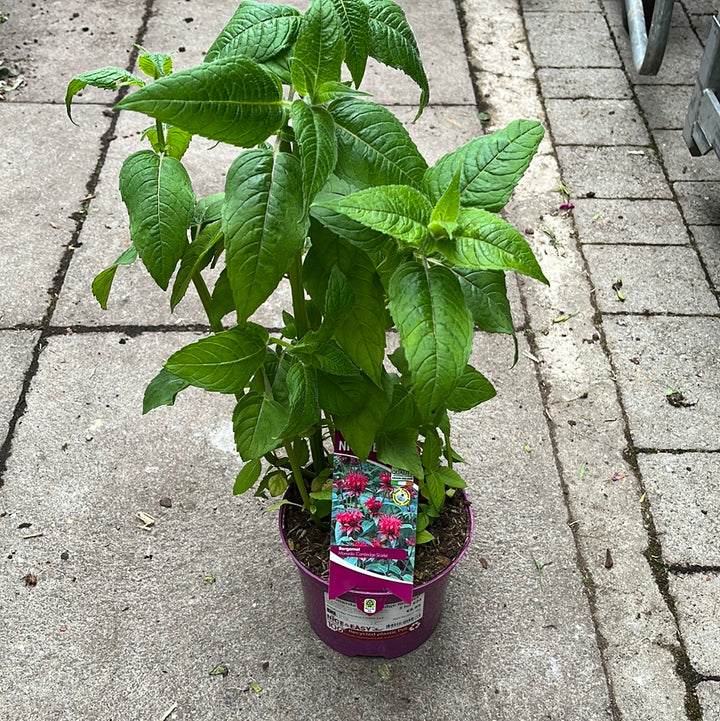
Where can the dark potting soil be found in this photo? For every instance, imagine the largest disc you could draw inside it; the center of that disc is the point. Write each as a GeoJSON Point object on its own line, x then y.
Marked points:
{"type": "Point", "coordinates": [311, 545]}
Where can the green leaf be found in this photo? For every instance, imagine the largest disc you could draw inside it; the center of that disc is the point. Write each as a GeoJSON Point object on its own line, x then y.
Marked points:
{"type": "Point", "coordinates": [162, 390]}
{"type": "Point", "coordinates": [445, 213]}
{"type": "Point", "coordinates": [176, 141]}
{"type": "Point", "coordinates": [208, 210]}
{"type": "Point", "coordinates": [196, 257]}
{"type": "Point", "coordinates": [233, 100]}
{"type": "Point", "coordinates": [472, 389]}
{"type": "Point", "coordinates": [358, 333]}
{"type": "Point", "coordinates": [156, 65]}
{"type": "Point", "coordinates": [435, 328]}
{"type": "Point", "coordinates": [223, 362]}
{"type": "Point", "coordinates": [222, 301]}
{"type": "Point", "coordinates": [424, 537]}
{"type": "Point", "coordinates": [402, 413]}
{"type": "Point", "coordinates": [303, 399]}
{"type": "Point", "coordinates": [450, 478]}
{"type": "Point", "coordinates": [339, 297]}
{"type": "Point", "coordinates": [393, 43]}
{"type": "Point", "coordinates": [257, 30]}
{"type": "Point", "coordinates": [360, 427]}
{"type": "Point", "coordinates": [434, 488]}
{"type": "Point", "coordinates": [109, 78]}
{"type": "Point", "coordinates": [396, 210]}
{"type": "Point", "coordinates": [484, 241]}
{"type": "Point", "coordinates": [315, 135]}
{"type": "Point", "coordinates": [486, 297]}
{"type": "Point", "coordinates": [341, 395]}
{"type": "Point", "coordinates": [248, 476]}
{"type": "Point", "coordinates": [399, 448]}
{"type": "Point", "coordinates": [374, 148]}
{"type": "Point", "coordinates": [354, 16]}
{"type": "Point", "coordinates": [263, 222]}
{"type": "Point", "coordinates": [103, 281]}
{"type": "Point", "coordinates": [160, 200]}
{"type": "Point", "coordinates": [490, 166]}
{"type": "Point", "coordinates": [258, 423]}
{"type": "Point", "coordinates": [320, 48]}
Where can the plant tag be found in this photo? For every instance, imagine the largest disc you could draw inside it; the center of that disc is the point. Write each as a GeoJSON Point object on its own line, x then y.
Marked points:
{"type": "Point", "coordinates": [373, 528]}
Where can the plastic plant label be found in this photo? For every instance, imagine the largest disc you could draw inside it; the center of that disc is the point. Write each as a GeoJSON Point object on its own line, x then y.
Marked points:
{"type": "Point", "coordinates": [395, 619]}
{"type": "Point", "coordinates": [373, 528]}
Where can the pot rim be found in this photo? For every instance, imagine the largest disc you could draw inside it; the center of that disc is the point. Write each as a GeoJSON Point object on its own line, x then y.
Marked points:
{"type": "Point", "coordinates": [416, 589]}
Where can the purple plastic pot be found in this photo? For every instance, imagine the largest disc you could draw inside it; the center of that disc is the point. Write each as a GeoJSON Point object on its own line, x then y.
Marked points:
{"type": "Point", "coordinates": [373, 624]}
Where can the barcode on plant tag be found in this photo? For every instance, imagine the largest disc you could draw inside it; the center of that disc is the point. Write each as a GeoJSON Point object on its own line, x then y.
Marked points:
{"type": "Point", "coordinates": [395, 619]}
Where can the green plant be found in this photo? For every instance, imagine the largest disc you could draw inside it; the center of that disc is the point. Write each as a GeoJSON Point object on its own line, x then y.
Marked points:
{"type": "Point", "coordinates": [331, 193]}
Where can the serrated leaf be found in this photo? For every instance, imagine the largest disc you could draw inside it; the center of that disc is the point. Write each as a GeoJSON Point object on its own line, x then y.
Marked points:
{"type": "Point", "coordinates": [301, 382]}
{"type": "Point", "coordinates": [484, 241]}
{"type": "Point", "coordinates": [223, 362]}
{"type": "Point", "coordinates": [358, 333]}
{"type": "Point", "coordinates": [395, 210]}
{"type": "Point", "coordinates": [319, 49]}
{"type": "Point", "coordinates": [156, 65]}
{"type": "Point", "coordinates": [263, 222]}
{"type": "Point", "coordinates": [360, 427]}
{"type": "Point", "coordinates": [257, 30]}
{"type": "Point", "coordinates": [162, 390]}
{"type": "Point", "coordinates": [258, 423]}
{"type": "Point", "coordinates": [393, 43]}
{"type": "Point", "coordinates": [435, 330]}
{"type": "Point", "coordinates": [109, 78]}
{"type": "Point", "coordinates": [339, 297]}
{"type": "Point", "coordinates": [103, 281]}
{"type": "Point", "coordinates": [448, 206]}
{"type": "Point", "coordinates": [490, 166]}
{"type": "Point", "coordinates": [248, 476]}
{"type": "Point", "coordinates": [399, 448]}
{"type": "Point", "coordinates": [402, 413]}
{"type": "Point", "coordinates": [221, 301]}
{"type": "Point", "coordinates": [354, 16]}
{"type": "Point", "coordinates": [160, 201]}
{"type": "Point", "coordinates": [233, 100]}
{"type": "Point", "coordinates": [177, 141]}
{"type": "Point", "coordinates": [374, 148]}
{"type": "Point", "coordinates": [450, 478]}
{"type": "Point", "coordinates": [315, 134]}
{"type": "Point", "coordinates": [434, 489]}
{"type": "Point", "coordinates": [486, 297]}
{"type": "Point", "coordinates": [195, 258]}
{"type": "Point", "coordinates": [472, 389]}
{"type": "Point", "coordinates": [341, 395]}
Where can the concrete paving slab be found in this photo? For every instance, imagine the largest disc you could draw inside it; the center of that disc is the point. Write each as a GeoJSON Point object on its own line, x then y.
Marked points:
{"type": "Point", "coordinates": [85, 36]}
{"type": "Point", "coordinates": [45, 174]}
{"type": "Point", "coordinates": [596, 122]}
{"type": "Point", "coordinates": [635, 627]}
{"type": "Point", "coordinates": [709, 695]}
{"type": "Point", "coordinates": [612, 172]}
{"type": "Point", "coordinates": [697, 596]}
{"type": "Point", "coordinates": [656, 222]}
{"type": "Point", "coordinates": [581, 40]}
{"type": "Point", "coordinates": [142, 592]}
{"type": "Point", "coordinates": [583, 83]}
{"type": "Point", "coordinates": [647, 370]}
{"type": "Point", "coordinates": [700, 201]}
{"type": "Point", "coordinates": [16, 349]}
{"type": "Point", "coordinates": [679, 163]}
{"type": "Point", "coordinates": [707, 238]}
{"type": "Point", "coordinates": [684, 495]}
{"type": "Point", "coordinates": [655, 279]}
{"type": "Point", "coordinates": [664, 106]}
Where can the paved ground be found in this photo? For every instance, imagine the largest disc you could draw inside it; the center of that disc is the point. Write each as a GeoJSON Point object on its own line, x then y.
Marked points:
{"type": "Point", "coordinates": [597, 499]}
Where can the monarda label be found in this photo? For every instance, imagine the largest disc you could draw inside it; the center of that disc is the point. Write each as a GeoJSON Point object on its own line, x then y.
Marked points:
{"type": "Point", "coordinates": [374, 522]}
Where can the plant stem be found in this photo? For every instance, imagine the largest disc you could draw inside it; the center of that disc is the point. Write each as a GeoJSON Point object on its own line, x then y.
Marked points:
{"type": "Point", "coordinates": [160, 135]}
{"type": "Point", "coordinates": [317, 451]}
{"type": "Point", "coordinates": [204, 294]}
{"type": "Point", "coordinates": [298, 477]}
{"type": "Point", "coordinates": [298, 296]}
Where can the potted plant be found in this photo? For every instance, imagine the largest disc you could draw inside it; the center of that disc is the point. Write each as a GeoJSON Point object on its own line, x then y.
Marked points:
{"type": "Point", "coordinates": [329, 193]}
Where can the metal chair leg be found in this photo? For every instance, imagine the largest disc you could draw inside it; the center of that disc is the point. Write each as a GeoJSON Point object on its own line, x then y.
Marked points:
{"type": "Point", "coordinates": [648, 48]}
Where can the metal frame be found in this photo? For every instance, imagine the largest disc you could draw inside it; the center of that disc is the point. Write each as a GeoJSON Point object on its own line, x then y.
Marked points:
{"type": "Point", "coordinates": [648, 49]}
{"type": "Point", "coordinates": [702, 124]}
